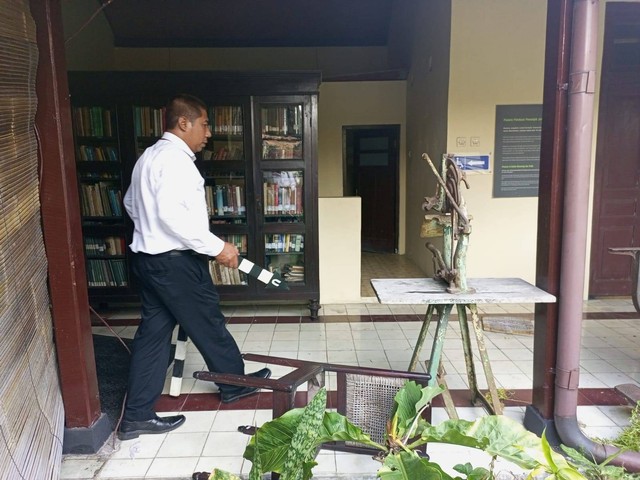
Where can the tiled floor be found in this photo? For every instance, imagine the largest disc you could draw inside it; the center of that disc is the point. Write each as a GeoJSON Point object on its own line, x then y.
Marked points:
{"type": "Point", "coordinates": [367, 334]}
{"type": "Point", "coordinates": [373, 335]}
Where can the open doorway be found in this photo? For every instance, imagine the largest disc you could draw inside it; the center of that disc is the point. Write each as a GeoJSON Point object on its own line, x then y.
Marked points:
{"type": "Point", "coordinates": [370, 162]}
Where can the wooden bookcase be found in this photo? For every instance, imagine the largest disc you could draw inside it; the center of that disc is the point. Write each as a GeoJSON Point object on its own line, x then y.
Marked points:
{"type": "Point", "coordinates": [260, 171]}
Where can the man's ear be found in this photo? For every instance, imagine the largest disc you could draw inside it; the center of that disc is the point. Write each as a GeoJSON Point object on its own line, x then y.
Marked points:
{"type": "Point", "coordinates": [183, 123]}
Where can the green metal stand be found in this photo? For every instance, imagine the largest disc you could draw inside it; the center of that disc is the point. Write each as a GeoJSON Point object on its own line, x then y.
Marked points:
{"type": "Point", "coordinates": [434, 367]}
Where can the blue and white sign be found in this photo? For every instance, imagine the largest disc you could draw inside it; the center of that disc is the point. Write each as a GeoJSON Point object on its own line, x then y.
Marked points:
{"type": "Point", "coordinates": [474, 163]}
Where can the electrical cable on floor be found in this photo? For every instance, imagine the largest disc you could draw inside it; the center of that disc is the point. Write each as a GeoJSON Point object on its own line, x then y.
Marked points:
{"type": "Point", "coordinates": [124, 400]}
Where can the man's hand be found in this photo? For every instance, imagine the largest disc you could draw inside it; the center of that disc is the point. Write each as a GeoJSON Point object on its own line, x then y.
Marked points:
{"type": "Point", "coordinates": [228, 256]}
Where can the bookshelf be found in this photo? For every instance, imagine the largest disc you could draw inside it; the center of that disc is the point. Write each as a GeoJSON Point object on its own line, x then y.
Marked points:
{"type": "Point", "coordinates": [259, 169]}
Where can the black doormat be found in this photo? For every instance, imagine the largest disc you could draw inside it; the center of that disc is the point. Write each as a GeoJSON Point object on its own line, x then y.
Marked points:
{"type": "Point", "coordinates": [112, 369]}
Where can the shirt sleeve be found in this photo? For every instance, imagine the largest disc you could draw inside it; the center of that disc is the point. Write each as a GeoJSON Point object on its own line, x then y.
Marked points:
{"type": "Point", "coordinates": [181, 205]}
{"type": "Point", "coordinates": [127, 201]}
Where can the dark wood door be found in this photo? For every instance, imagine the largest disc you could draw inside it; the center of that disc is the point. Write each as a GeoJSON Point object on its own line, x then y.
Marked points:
{"type": "Point", "coordinates": [373, 153]}
{"type": "Point", "coordinates": [616, 212]}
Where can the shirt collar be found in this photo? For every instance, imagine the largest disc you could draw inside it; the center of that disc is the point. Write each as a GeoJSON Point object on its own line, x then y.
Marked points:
{"type": "Point", "coordinates": [178, 142]}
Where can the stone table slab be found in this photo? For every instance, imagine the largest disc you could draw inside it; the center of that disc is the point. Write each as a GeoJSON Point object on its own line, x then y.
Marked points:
{"type": "Point", "coordinates": [431, 291]}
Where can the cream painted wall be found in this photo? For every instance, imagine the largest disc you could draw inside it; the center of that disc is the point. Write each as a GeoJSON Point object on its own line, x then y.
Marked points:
{"type": "Point", "coordinates": [339, 249]}
{"type": "Point", "coordinates": [358, 103]}
{"type": "Point", "coordinates": [427, 100]}
{"type": "Point", "coordinates": [497, 58]}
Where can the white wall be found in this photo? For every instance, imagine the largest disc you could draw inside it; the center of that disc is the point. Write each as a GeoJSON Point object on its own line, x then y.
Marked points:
{"type": "Point", "coordinates": [358, 103]}
{"type": "Point", "coordinates": [497, 58]}
{"type": "Point", "coordinates": [339, 249]}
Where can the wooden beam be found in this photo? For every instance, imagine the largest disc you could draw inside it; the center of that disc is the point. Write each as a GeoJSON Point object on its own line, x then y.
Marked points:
{"type": "Point", "coordinates": [550, 200]}
{"type": "Point", "coordinates": [61, 222]}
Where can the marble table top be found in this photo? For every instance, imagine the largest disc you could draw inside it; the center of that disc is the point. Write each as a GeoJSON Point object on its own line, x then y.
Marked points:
{"type": "Point", "coordinates": [432, 291]}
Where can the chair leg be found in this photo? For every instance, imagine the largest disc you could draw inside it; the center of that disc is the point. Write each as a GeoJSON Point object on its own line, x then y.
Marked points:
{"type": "Point", "coordinates": [178, 363]}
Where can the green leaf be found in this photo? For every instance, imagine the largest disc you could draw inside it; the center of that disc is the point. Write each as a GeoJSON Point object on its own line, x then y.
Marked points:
{"type": "Point", "coordinates": [410, 400]}
{"type": "Point", "coordinates": [495, 434]}
{"type": "Point", "coordinates": [337, 427]}
{"type": "Point", "coordinates": [275, 437]}
{"type": "Point", "coordinates": [478, 473]}
{"type": "Point", "coordinates": [546, 449]}
{"type": "Point", "coordinates": [408, 466]}
{"type": "Point", "coordinates": [222, 475]}
{"type": "Point", "coordinates": [304, 440]}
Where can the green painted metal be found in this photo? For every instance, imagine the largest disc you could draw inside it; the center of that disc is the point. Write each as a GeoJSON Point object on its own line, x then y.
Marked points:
{"type": "Point", "coordinates": [453, 225]}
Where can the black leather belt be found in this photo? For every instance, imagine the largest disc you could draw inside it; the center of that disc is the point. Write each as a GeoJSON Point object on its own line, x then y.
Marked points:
{"type": "Point", "coordinates": [173, 253]}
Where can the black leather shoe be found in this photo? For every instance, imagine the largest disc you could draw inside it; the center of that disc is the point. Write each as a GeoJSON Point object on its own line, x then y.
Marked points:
{"type": "Point", "coordinates": [133, 429]}
{"type": "Point", "coordinates": [246, 391]}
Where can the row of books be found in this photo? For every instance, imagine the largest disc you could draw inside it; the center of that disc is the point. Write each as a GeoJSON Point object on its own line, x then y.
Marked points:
{"type": "Point", "coordinates": [237, 239]}
{"type": "Point", "coordinates": [295, 273]}
{"type": "Point", "coordinates": [291, 273]}
{"type": "Point", "coordinates": [102, 199]}
{"type": "Point", "coordinates": [284, 243]}
{"type": "Point", "coordinates": [227, 120]}
{"type": "Point", "coordinates": [280, 200]}
{"type": "Point", "coordinates": [89, 153]}
{"type": "Point", "coordinates": [283, 120]}
{"type": "Point", "coordinates": [149, 121]}
{"type": "Point", "coordinates": [278, 148]}
{"type": "Point", "coordinates": [107, 273]}
{"type": "Point", "coordinates": [104, 246]}
{"type": "Point", "coordinates": [93, 121]}
{"type": "Point", "coordinates": [222, 275]}
{"type": "Point", "coordinates": [224, 153]}
{"type": "Point", "coordinates": [97, 176]}
{"type": "Point", "coordinates": [225, 200]}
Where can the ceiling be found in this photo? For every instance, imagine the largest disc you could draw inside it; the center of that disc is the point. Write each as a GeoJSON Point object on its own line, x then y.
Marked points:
{"type": "Point", "coordinates": [249, 23]}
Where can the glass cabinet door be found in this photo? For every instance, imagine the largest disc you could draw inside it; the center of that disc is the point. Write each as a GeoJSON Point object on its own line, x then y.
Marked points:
{"type": "Point", "coordinates": [149, 125]}
{"type": "Point", "coordinates": [226, 197]}
{"type": "Point", "coordinates": [284, 254]}
{"type": "Point", "coordinates": [222, 275]}
{"type": "Point", "coordinates": [227, 134]}
{"type": "Point", "coordinates": [281, 132]}
{"type": "Point", "coordinates": [283, 196]}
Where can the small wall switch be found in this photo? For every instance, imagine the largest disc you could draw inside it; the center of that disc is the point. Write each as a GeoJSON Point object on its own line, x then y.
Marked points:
{"type": "Point", "coordinates": [475, 141]}
{"type": "Point", "coordinates": [461, 141]}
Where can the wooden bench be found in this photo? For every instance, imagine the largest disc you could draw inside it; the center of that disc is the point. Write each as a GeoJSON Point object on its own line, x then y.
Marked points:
{"type": "Point", "coordinates": [364, 395]}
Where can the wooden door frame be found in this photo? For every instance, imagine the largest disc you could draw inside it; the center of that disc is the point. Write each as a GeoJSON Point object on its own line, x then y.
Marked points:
{"type": "Point", "coordinates": [615, 14]}
{"type": "Point", "coordinates": [396, 128]}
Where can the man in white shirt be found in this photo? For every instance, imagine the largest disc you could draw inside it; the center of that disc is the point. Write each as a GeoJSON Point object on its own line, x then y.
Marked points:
{"type": "Point", "coordinates": [171, 245]}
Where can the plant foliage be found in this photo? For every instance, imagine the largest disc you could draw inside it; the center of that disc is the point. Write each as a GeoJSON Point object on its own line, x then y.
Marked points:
{"type": "Point", "coordinates": [288, 444]}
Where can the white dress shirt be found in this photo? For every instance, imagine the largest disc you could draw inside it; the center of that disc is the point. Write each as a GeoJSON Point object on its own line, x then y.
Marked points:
{"type": "Point", "coordinates": [166, 201]}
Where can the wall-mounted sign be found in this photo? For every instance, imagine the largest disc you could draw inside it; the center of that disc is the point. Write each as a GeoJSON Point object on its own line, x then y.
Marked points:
{"type": "Point", "coordinates": [517, 150]}
{"type": "Point", "coordinates": [473, 163]}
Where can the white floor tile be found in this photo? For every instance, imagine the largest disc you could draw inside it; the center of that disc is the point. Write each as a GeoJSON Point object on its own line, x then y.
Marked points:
{"type": "Point", "coordinates": [182, 444]}
{"type": "Point", "coordinates": [279, 345]}
{"type": "Point", "coordinates": [209, 439]}
{"type": "Point", "coordinates": [80, 468]}
{"type": "Point", "coordinates": [225, 444]}
{"type": "Point", "coordinates": [230, 420]}
{"type": "Point", "coordinates": [126, 468]}
{"type": "Point", "coordinates": [351, 463]}
{"type": "Point", "coordinates": [146, 446]}
{"type": "Point", "coordinates": [173, 467]}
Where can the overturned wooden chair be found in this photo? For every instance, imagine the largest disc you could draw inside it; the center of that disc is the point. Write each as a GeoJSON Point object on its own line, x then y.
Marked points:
{"type": "Point", "coordinates": [364, 395]}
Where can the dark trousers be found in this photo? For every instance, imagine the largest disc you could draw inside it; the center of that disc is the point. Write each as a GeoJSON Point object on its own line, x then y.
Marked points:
{"type": "Point", "coordinates": [176, 287]}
